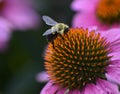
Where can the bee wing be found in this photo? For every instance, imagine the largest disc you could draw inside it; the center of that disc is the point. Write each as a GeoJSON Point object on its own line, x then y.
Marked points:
{"type": "Point", "coordinates": [49, 31]}
{"type": "Point", "coordinates": [49, 21]}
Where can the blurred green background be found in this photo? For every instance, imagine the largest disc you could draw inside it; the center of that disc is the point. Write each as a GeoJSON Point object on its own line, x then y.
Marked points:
{"type": "Point", "coordinates": [23, 60]}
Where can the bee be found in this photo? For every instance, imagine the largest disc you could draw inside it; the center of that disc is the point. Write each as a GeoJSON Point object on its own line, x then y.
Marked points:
{"type": "Point", "coordinates": [55, 30]}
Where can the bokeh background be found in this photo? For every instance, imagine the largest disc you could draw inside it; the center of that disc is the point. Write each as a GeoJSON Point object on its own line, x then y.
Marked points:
{"type": "Point", "coordinates": [23, 59]}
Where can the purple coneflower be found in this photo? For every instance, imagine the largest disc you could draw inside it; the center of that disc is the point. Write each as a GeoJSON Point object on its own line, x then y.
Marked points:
{"type": "Point", "coordinates": [84, 62]}
{"type": "Point", "coordinates": [19, 13]}
{"type": "Point", "coordinates": [15, 15]}
{"type": "Point", "coordinates": [102, 13]}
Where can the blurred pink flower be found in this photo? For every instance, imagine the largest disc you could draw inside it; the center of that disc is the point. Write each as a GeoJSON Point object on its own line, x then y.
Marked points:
{"type": "Point", "coordinates": [20, 13]}
{"type": "Point", "coordinates": [15, 15]}
{"type": "Point", "coordinates": [5, 34]}
{"type": "Point", "coordinates": [87, 13]}
{"type": "Point", "coordinates": [68, 70]}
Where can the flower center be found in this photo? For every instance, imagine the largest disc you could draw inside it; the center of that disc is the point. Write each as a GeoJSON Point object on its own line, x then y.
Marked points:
{"type": "Point", "coordinates": [77, 58]}
{"type": "Point", "coordinates": [108, 11]}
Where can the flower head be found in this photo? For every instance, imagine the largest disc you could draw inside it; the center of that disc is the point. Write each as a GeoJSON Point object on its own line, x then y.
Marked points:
{"type": "Point", "coordinates": [108, 11]}
{"type": "Point", "coordinates": [102, 13]}
{"type": "Point", "coordinates": [82, 62]}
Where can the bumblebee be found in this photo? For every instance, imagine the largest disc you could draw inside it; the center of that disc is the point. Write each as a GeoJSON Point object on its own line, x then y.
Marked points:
{"type": "Point", "coordinates": [55, 30]}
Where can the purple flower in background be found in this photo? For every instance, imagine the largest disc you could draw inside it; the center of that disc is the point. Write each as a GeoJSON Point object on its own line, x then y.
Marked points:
{"type": "Point", "coordinates": [5, 33]}
{"type": "Point", "coordinates": [84, 62]}
{"type": "Point", "coordinates": [15, 15]}
{"type": "Point", "coordinates": [20, 13]}
{"type": "Point", "coordinates": [101, 13]}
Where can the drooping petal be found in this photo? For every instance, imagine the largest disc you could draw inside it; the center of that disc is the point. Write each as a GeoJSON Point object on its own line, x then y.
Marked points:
{"type": "Point", "coordinates": [61, 91]}
{"type": "Point", "coordinates": [42, 77]}
{"type": "Point", "coordinates": [87, 20]}
{"type": "Point", "coordinates": [115, 55]}
{"type": "Point", "coordinates": [75, 91]}
{"type": "Point", "coordinates": [4, 39]}
{"type": "Point", "coordinates": [66, 91]}
{"type": "Point", "coordinates": [92, 89]}
{"type": "Point", "coordinates": [113, 71]}
{"type": "Point", "coordinates": [115, 63]}
{"type": "Point", "coordinates": [5, 33]}
{"type": "Point", "coordinates": [107, 87]}
{"type": "Point", "coordinates": [84, 5]}
{"type": "Point", "coordinates": [50, 88]}
{"type": "Point", "coordinates": [113, 36]}
{"type": "Point", "coordinates": [55, 89]}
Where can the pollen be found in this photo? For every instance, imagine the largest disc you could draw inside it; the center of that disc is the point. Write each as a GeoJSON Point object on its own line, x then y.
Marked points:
{"type": "Point", "coordinates": [78, 57]}
{"type": "Point", "coordinates": [108, 11]}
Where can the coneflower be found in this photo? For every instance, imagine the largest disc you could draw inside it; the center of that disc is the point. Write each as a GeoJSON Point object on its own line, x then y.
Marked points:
{"type": "Point", "coordinates": [83, 62]}
{"type": "Point", "coordinates": [102, 13]}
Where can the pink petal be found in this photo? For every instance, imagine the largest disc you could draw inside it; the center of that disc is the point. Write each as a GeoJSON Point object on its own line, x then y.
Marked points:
{"type": "Point", "coordinates": [87, 20]}
{"type": "Point", "coordinates": [21, 14]}
{"type": "Point", "coordinates": [61, 91]}
{"type": "Point", "coordinates": [4, 39]}
{"type": "Point", "coordinates": [115, 63]}
{"type": "Point", "coordinates": [64, 90]}
{"type": "Point", "coordinates": [75, 91]}
{"type": "Point", "coordinates": [5, 34]}
{"type": "Point", "coordinates": [113, 36]}
{"type": "Point", "coordinates": [84, 5]}
{"type": "Point", "coordinates": [56, 89]}
{"type": "Point", "coordinates": [113, 72]}
{"type": "Point", "coordinates": [107, 87]}
{"type": "Point", "coordinates": [50, 88]}
{"type": "Point", "coordinates": [42, 77]}
{"type": "Point", "coordinates": [115, 55]}
{"type": "Point", "coordinates": [92, 89]}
